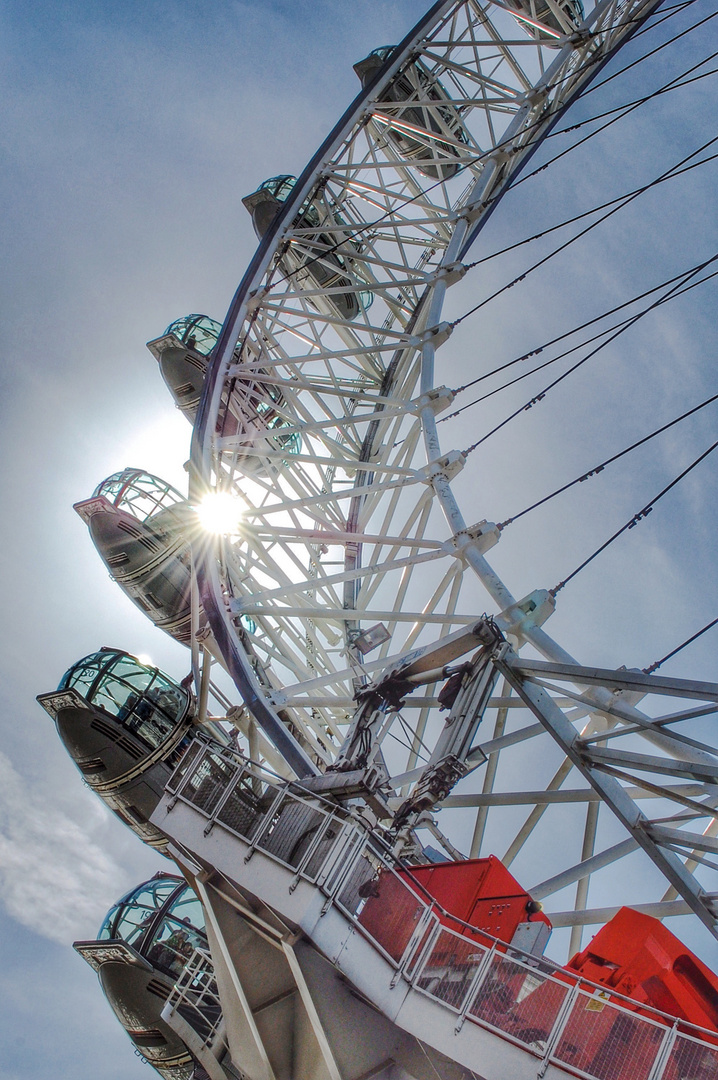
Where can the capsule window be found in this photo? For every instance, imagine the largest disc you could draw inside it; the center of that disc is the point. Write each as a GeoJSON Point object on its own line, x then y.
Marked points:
{"type": "Point", "coordinates": [132, 917]}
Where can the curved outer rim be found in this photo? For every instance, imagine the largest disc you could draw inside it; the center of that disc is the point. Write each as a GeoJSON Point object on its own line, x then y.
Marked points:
{"type": "Point", "coordinates": [205, 555]}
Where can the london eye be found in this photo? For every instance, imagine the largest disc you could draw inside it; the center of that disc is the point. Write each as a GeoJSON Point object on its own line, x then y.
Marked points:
{"type": "Point", "coordinates": [413, 783]}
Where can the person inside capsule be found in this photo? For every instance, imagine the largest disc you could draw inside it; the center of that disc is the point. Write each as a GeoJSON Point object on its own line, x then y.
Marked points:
{"type": "Point", "coordinates": [126, 726]}
{"type": "Point", "coordinates": [141, 699]}
{"type": "Point", "coordinates": [162, 920]}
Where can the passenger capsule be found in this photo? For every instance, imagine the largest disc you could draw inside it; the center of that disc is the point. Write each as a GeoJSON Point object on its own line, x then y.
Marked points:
{"type": "Point", "coordinates": [182, 353]}
{"type": "Point", "coordinates": [142, 947]}
{"type": "Point", "coordinates": [539, 11]}
{"type": "Point", "coordinates": [141, 527]}
{"type": "Point", "coordinates": [126, 726]}
{"type": "Point", "coordinates": [255, 415]}
{"type": "Point", "coordinates": [415, 83]}
{"type": "Point", "coordinates": [325, 259]}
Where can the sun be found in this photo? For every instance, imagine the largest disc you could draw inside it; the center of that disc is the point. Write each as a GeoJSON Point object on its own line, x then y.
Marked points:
{"type": "Point", "coordinates": [219, 512]}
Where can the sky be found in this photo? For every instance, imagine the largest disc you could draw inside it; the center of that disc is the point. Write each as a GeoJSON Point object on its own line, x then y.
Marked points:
{"type": "Point", "coordinates": [130, 134]}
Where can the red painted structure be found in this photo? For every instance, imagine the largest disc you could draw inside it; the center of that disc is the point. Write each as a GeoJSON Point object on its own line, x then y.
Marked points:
{"type": "Point", "coordinates": [637, 956]}
{"type": "Point", "coordinates": [634, 962]}
{"type": "Point", "coordinates": [477, 894]}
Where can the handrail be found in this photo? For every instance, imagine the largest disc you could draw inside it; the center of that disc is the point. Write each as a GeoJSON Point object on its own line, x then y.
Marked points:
{"type": "Point", "coordinates": [419, 949]}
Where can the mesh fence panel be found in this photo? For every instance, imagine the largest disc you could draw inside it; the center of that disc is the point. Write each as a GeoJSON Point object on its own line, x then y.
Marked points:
{"type": "Point", "coordinates": [390, 913]}
{"type": "Point", "coordinates": [292, 831]}
{"type": "Point", "coordinates": [184, 765]}
{"type": "Point", "coordinates": [450, 967]}
{"type": "Point", "coordinates": [349, 896]}
{"type": "Point", "coordinates": [420, 948]}
{"type": "Point", "coordinates": [242, 811]}
{"type": "Point", "coordinates": [691, 1060]}
{"type": "Point", "coordinates": [208, 782]}
{"type": "Point", "coordinates": [520, 1000]}
{"type": "Point", "coordinates": [499, 992]}
{"type": "Point", "coordinates": [607, 1043]}
{"type": "Point", "coordinates": [330, 834]}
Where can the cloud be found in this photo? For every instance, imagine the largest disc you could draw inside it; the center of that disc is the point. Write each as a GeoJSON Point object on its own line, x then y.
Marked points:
{"type": "Point", "coordinates": [55, 878]}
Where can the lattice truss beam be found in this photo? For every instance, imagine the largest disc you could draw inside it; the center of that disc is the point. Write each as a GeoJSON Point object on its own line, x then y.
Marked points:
{"type": "Point", "coordinates": [660, 784]}
{"type": "Point", "coordinates": [319, 415]}
{"type": "Point", "coordinates": [320, 409]}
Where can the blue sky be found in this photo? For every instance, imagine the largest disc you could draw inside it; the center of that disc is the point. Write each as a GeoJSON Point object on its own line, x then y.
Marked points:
{"type": "Point", "coordinates": [130, 134]}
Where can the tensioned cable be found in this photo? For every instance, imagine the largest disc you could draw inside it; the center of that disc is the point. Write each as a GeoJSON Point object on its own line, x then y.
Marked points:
{"type": "Point", "coordinates": [640, 59]}
{"type": "Point", "coordinates": [640, 516]}
{"type": "Point", "coordinates": [609, 461]}
{"type": "Point", "coordinates": [689, 641]}
{"type": "Point", "coordinates": [666, 14]}
{"type": "Point", "coordinates": [625, 326]}
{"type": "Point", "coordinates": [625, 111]}
{"type": "Point", "coordinates": [587, 213]}
{"type": "Point", "coordinates": [569, 333]}
{"type": "Point", "coordinates": [476, 159]}
{"type": "Point", "coordinates": [676, 84]}
{"type": "Point", "coordinates": [541, 262]}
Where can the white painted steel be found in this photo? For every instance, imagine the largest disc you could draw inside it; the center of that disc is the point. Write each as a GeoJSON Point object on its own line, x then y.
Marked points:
{"type": "Point", "coordinates": [436, 986]}
{"type": "Point", "coordinates": [348, 513]}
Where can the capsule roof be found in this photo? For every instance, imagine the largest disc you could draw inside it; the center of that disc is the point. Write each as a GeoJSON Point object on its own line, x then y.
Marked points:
{"type": "Point", "coordinates": [138, 493]}
{"type": "Point", "coordinates": [141, 697]}
{"type": "Point", "coordinates": [279, 186]}
{"type": "Point", "coordinates": [197, 332]}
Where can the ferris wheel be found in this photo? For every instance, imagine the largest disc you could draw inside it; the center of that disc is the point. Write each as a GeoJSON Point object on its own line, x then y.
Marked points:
{"type": "Point", "coordinates": [347, 588]}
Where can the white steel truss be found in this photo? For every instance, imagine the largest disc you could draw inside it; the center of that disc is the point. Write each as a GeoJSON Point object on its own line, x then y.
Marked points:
{"type": "Point", "coordinates": [319, 417]}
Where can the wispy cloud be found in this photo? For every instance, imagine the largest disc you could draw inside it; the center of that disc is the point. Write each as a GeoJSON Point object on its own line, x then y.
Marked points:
{"type": "Point", "coordinates": [55, 878]}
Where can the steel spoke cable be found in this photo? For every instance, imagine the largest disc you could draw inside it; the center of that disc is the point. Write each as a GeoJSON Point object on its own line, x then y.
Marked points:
{"type": "Point", "coordinates": [638, 517]}
{"type": "Point", "coordinates": [657, 49]}
{"type": "Point", "coordinates": [689, 641]}
{"type": "Point", "coordinates": [626, 201]}
{"type": "Point", "coordinates": [609, 461]}
{"type": "Point", "coordinates": [625, 326]}
{"type": "Point", "coordinates": [594, 210]}
{"type": "Point", "coordinates": [569, 333]}
{"type": "Point", "coordinates": [675, 84]}
{"type": "Point", "coordinates": [623, 112]}
{"type": "Point", "coordinates": [666, 14]}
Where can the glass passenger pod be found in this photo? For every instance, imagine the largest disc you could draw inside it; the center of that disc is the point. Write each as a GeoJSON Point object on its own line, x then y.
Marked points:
{"type": "Point", "coordinates": [257, 421]}
{"type": "Point", "coordinates": [139, 700]}
{"type": "Point", "coordinates": [141, 527]}
{"type": "Point", "coordinates": [182, 353]}
{"type": "Point", "coordinates": [324, 261]}
{"type": "Point", "coordinates": [162, 922]}
{"type": "Point", "coordinates": [125, 725]}
{"type": "Point", "coordinates": [411, 89]}
{"type": "Point", "coordinates": [252, 415]}
{"type": "Point", "coordinates": [548, 21]}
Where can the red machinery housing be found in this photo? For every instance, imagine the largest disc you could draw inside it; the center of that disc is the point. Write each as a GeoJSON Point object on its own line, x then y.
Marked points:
{"type": "Point", "coordinates": [475, 895]}
{"type": "Point", "coordinates": [635, 955]}
{"type": "Point", "coordinates": [638, 966]}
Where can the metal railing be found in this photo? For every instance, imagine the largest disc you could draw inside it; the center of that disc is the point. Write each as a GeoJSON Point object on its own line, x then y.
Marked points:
{"type": "Point", "coordinates": [563, 1020]}
{"type": "Point", "coordinates": [195, 998]}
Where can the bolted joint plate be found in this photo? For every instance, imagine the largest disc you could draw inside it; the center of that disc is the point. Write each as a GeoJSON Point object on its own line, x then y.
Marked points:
{"type": "Point", "coordinates": [438, 399]}
{"type": "Point", "coordinates": [435, 335]}
{"type": "Point", "coordinates": [532, 611]}
{"type": "Point", "coordinates": [445, 467]}
{"type": "Point", "coordinates": [479, 537]}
